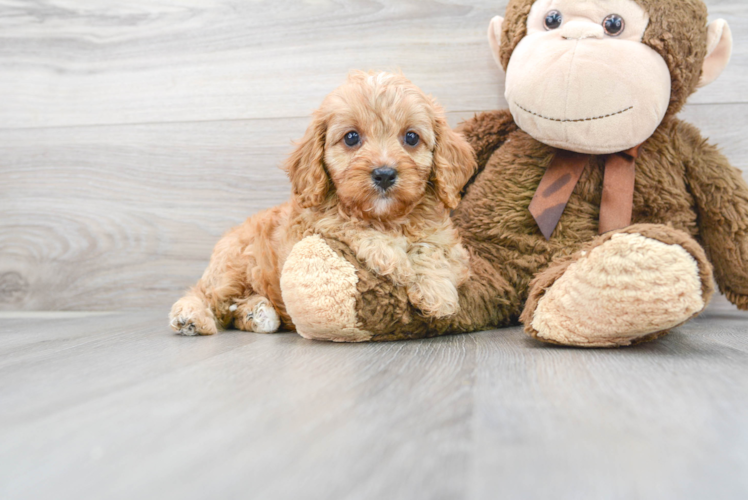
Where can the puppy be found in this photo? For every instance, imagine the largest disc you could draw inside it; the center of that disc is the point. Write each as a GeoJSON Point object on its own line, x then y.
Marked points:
{"type": "Point", "coordinates": [378, 169]}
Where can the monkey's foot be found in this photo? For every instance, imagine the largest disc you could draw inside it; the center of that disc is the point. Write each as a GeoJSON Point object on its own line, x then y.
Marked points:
{"type": "Point", "coordinates": [319, 290]}
{"type": "Point", "coordinates": [190, 316]}
{"type": "Point", "coordinates": [255, 314]}
{"type": "Point", "coordinates": [625, 287]}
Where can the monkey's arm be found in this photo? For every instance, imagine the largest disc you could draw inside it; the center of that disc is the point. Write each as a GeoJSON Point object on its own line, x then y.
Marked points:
{"type": "Point", "coordinates": [721, 197]}
{"type": "Point", "coordinates": [486, 132]}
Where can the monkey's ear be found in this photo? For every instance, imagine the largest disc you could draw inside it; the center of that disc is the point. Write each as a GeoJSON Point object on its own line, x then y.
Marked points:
{"type": "Point", "coordinates": [718, 51]}
{"type": "Point", "coordinates": [494, 37]}
{"type": "Point", "coordinates": [305, 166]}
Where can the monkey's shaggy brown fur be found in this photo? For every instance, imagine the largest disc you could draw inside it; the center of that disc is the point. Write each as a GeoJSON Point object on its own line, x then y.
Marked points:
{"type": "Point", "coordinates": [686, 193]}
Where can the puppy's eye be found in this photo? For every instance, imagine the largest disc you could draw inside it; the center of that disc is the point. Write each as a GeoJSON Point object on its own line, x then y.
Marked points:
{"type": "Point", "coordinates": [411, 138]}
{"type": "Point", "coordinates": [553, 20]}
{"type": "Point", "coordinates": [614, 25]}
{"type": "Point", "coordinates": [352, 138]}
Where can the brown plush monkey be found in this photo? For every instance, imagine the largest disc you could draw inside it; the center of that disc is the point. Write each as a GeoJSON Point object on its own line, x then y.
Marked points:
{"type": "Point", "coordinates": [598, 215]}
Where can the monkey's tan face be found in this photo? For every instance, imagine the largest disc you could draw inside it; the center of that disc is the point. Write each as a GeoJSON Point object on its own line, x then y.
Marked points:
{"type": "Point", "coordinates": [582, 80]}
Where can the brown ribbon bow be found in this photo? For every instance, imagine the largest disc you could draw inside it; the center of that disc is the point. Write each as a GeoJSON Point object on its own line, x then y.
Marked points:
{"type": "Point", "coordinates": [561, 178]}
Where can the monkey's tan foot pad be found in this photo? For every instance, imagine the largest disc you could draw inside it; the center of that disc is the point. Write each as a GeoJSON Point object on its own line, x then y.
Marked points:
{"type": "Point", "coordinates": [255, 314]}
{"type": "Point", "coordinates": [319, 290]}
{"type": "Point", "coordinates": [189, 316]}
{"type": "Point", "coordinates": [629, 289]}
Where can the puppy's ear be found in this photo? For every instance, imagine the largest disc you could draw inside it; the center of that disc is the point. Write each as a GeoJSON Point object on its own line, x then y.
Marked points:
{"type": "Point", "coordinates": [306, 165]}
{"type": "Point", "coordinates": [454, 163]}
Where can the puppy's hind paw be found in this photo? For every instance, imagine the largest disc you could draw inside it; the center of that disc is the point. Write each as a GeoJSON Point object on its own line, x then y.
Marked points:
{"type": "Point", "coordinates": [256, 315]}
{"type": "Point", "coordinates": [189, 316]}
{"type": "Point", "coordinates": [437, 298]}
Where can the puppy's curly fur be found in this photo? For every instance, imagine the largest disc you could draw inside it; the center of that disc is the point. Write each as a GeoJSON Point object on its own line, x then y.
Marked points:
{"type": "Point", "coordinates": [402, 231]}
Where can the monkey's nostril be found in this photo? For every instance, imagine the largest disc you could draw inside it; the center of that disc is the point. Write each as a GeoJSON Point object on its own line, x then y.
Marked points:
{"type": "Point", "coordinates": [384, 177]}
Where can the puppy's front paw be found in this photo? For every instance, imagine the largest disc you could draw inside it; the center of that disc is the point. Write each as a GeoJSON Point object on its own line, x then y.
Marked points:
{"type": "Point", "coordinates": [190, 316]}
{"type": "Point", "coordinates": [435, 297]}
{"type": "Point", "coordinates": [257, 315]}
{"type": "Point", "coordinates": [386, 257]}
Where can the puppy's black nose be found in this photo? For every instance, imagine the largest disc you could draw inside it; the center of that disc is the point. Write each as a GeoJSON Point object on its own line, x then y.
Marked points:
{"type": "Point", "coordinates": [384, 177]}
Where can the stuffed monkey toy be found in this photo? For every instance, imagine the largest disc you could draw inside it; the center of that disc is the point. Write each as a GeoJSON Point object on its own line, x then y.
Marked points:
{"type": "Point", "coordinates": [597, 218]}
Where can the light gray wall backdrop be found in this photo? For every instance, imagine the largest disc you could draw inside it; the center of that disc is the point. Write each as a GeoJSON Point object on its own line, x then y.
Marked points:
{"type": "Point", "coordinates": [133, 134]}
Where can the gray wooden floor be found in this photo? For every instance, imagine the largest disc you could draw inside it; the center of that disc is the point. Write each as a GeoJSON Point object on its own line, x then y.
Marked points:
{"type": "Point", "coordinates": [116, 406]}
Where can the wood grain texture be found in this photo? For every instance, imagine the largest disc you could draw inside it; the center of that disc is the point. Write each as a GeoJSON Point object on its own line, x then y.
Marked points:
{"type": "Point", "coordinates": [115, 217]}
{"type": "Point", "coordinates": [68, 62]}
{"type": "Point", "coordinates": [117, 406]}
{"type": "Point", "coordinates": [125, 217]}
{"type": "Point", "coordinates": [132, 136]}
{"type": "Point", "coordinates": [169, 60]}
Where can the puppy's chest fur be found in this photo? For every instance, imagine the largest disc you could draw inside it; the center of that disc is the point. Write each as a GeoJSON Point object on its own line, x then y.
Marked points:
{"type": "Point", "coordinates": [401, 251]}
{"type": "Point", "coordinates": [422, 253]}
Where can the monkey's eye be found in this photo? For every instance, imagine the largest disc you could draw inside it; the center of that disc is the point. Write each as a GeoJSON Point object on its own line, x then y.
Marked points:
{"type": "Point", "coordinates": [411, 138]}
{"type": "Point", "coordinates": [553, 20]}
{"type": "Point", "coordinates": [614, 25]}
{"type": "Point", "coordinates": [352, 138]}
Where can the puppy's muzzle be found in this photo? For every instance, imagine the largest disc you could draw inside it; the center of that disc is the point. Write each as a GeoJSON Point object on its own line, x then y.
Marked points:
{"type": "Point", "coordinates": [384, 177]}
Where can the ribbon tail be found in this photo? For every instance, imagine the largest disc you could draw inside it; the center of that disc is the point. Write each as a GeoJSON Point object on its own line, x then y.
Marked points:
{"type": "Point", "coordinates": [617, 205]}
{"type": "Point", "coordinates": [555, 189]}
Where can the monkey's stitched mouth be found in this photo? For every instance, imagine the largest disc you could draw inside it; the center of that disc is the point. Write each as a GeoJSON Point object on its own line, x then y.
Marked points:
{"type": "Point", "coordinates": [577, 120]}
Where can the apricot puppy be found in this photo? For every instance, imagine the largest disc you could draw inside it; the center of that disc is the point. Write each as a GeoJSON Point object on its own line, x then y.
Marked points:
{"type": "Point", "coordinates": [378, 169]}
